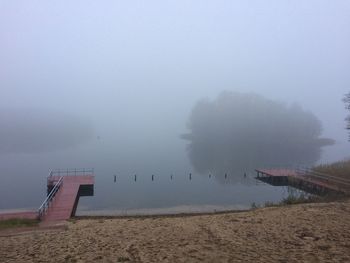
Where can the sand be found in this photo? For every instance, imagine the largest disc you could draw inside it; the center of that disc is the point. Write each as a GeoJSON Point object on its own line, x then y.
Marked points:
{"type": "Point", "coordinates": [298, 233]}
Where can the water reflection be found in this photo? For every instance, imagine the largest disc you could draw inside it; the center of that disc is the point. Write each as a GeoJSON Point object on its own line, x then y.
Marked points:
{"type": "Point", "coordinates": [239, 132]}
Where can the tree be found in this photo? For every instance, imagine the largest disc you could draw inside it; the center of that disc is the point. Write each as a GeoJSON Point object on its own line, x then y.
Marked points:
{"type": "Point", "coordinates": [346, 100]}
{"type": "Point", "coordinates": [239, 131]}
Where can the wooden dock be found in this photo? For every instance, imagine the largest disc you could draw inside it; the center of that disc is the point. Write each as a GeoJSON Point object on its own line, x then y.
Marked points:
{"type": "Point", "coordinates": [64, 189]}
{"type": "Point", "coordinates": [304, 180]}
{"type": "Point", "coordinates": [65, 202]}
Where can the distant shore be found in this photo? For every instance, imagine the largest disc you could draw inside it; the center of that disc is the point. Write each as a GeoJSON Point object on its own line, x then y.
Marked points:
{"type": "Point", "coordinates": [314, 232]}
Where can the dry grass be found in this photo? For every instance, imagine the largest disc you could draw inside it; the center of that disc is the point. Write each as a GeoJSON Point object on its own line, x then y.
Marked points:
{"type": "Point", "coordinates": [14, 223]}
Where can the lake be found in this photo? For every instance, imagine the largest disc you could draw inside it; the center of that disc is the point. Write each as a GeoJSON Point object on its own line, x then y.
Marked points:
{"type": "Point", "coordinates": [23, 182]}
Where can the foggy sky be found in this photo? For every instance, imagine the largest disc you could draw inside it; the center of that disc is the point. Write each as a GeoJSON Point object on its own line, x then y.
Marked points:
{"type": "Point", "coordinates": [135, 69]}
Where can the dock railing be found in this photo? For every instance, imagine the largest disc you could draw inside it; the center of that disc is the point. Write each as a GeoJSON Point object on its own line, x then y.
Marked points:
{"type": "Point", "coordinates": [340, 183]}
{"type": "Point", "coordinates": [72, 172]}
{"type": "Point", "coordinates": [328, 177]}
{"type": "Point", "coordinates": [46, 204]}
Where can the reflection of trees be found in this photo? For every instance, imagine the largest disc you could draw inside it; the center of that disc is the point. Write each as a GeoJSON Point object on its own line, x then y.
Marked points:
{"type": "Point", "coordinates": [239, 132]}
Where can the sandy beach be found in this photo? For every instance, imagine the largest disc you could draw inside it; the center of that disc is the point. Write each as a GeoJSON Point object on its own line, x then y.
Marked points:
{"type": "Point", "coordinates": [298, 233]}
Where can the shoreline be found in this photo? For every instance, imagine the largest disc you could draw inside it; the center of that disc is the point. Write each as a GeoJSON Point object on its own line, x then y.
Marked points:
{"type": "Point", "coordinates": [170, 215]}
{"type": "Point", "coordinates": [170, 212]}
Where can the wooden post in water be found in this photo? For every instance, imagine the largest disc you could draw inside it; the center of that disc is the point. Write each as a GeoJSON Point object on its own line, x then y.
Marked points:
{"type": "Point", "coordinates": [135, 177]}
{"type": "Point", "coordinates": [152, 177]}
{"type": "Point", "coordinates": [190, 176]}
{"type": "Point", "coordinates": [115, 178]}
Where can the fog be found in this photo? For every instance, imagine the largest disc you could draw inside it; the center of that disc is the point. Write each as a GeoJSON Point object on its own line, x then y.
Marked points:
{"type": "Point", "coordinates": [237, 132]}
{"type": "Point", "coordinates": [113, 84]}
{"type": "Point", "coordinates": [32, 131]}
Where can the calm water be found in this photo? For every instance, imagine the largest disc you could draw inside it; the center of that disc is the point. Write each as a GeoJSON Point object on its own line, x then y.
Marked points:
{"type": "Point", "coordinates": [23, 182]}
{"type": "Point", "coordinates": [180, 194]}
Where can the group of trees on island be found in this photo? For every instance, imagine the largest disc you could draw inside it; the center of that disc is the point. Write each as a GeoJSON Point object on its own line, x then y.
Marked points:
{"type": "Point", "coordinates": [346, 100]}
{"type": "Point", "coordinates": [240, 131]}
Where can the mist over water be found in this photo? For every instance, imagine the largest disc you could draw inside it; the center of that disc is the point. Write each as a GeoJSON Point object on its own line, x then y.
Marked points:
{"type": "Point", "coordinates": [40, 130]}
{"type": "Point", "coordinates": [229, 137]}
{"type": "Point", "coordinates": [212, 169]}
{"type": "Point", "coordinates": [112, 85]}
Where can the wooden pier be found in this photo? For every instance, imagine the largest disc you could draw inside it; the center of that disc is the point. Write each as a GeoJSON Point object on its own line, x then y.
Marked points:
{"type": "Point", "coordinates": [304, 180]}
{"type": "Point", "coordinates": [64, 188]}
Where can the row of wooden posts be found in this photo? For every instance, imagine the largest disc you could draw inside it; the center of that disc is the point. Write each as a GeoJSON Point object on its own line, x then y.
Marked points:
{"type": "Point", "coordinates": [171, 177]}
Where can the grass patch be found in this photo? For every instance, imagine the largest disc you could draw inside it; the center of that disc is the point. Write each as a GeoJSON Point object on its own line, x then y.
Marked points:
{"type": "Point", "coordinates": [16, 222]}
{"type": "Point", "coordinates": [293, 199]}
{"type": "Point", "coordinates": [123, 259]}
{"type": "Point", "coordinates": [254, 206]}
{"type": "Point", "coordinates": [301, 199]}
{"type": "Point", "coordinates": [270, 204]}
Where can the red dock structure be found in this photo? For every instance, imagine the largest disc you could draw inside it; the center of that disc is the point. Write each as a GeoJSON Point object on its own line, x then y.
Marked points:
{"type": "Point", "coordinates": [64, 190]}
{"type": "Point", "coordinates": [304, 179]}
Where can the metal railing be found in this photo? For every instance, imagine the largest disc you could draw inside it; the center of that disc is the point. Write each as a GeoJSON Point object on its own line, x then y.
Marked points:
{"type": "Point", "coordinates": [46, 204]}
{"type": "Point", "coordinates": [71, 172]}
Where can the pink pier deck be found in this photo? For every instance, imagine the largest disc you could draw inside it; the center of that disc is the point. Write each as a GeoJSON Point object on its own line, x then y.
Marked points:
{"type": "Point", "coordinates": [293, 178]}
{"type": "Point", "coordinates": [65, 202]}
{"type": "Point", "coordinates": [277, 172]}
{"type": "Point", "coordinates": [64, 188]}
